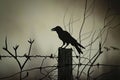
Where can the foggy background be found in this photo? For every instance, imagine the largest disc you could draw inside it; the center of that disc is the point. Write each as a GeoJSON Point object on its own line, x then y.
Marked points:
{"type": "Point", "coordinates": [21, 20]}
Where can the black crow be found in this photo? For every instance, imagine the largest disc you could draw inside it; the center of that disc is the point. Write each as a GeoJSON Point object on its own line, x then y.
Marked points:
{"type": "Point", "coordinates": [67, 38]}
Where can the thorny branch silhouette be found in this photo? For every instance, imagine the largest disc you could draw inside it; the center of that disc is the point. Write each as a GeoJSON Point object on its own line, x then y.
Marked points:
{"type": "Point", "coordinates": [54, 67]}
{"type": "Point", "coordinates": [21, 66]}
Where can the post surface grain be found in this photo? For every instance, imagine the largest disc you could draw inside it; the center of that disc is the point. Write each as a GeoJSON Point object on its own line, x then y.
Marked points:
{"type": "Point", "coordinates": [64, 64]}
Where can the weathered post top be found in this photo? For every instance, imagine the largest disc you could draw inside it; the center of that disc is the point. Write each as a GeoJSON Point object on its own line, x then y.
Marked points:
{"type": "Point", "coordinates": [65, 49]}
{"type": "Point", "coordinates": [65, 64]}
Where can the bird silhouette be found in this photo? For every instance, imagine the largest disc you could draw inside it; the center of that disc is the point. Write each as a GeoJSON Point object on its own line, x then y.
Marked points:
{"type": "Point", "coordinates": [67, 39]}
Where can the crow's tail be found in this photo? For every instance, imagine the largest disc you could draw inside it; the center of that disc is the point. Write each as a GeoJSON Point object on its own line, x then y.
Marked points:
{"type": "Point", "coordinates": [78, 49]}
{"type": "Point", "coordinates": [80, 45]}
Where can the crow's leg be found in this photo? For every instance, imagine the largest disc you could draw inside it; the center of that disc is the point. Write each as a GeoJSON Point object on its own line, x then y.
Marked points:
{"type": "Point", "coordinates": [66, 45]}
{"type": "Point", "coordinates": [63, 44]}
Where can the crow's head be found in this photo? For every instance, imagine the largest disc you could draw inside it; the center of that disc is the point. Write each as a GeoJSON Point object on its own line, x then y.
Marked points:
{"type": "Point", "coordinates": [57, 28]}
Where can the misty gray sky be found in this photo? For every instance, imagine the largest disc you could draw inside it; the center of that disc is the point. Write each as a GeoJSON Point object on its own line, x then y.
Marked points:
{"type": "Point", "coordinates": [24, 19]}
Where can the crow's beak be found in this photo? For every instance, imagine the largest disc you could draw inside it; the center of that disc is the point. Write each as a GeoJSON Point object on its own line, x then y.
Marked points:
{"type": "Point", "coordinates": [53, 29]}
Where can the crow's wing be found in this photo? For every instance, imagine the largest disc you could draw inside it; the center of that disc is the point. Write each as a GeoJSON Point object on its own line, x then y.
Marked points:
{"type": "Point", "coordinates": [68, 38]}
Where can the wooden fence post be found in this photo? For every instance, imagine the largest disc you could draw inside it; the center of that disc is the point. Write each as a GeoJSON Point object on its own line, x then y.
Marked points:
{"type": "Point", "coordinates": [65, 64]}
